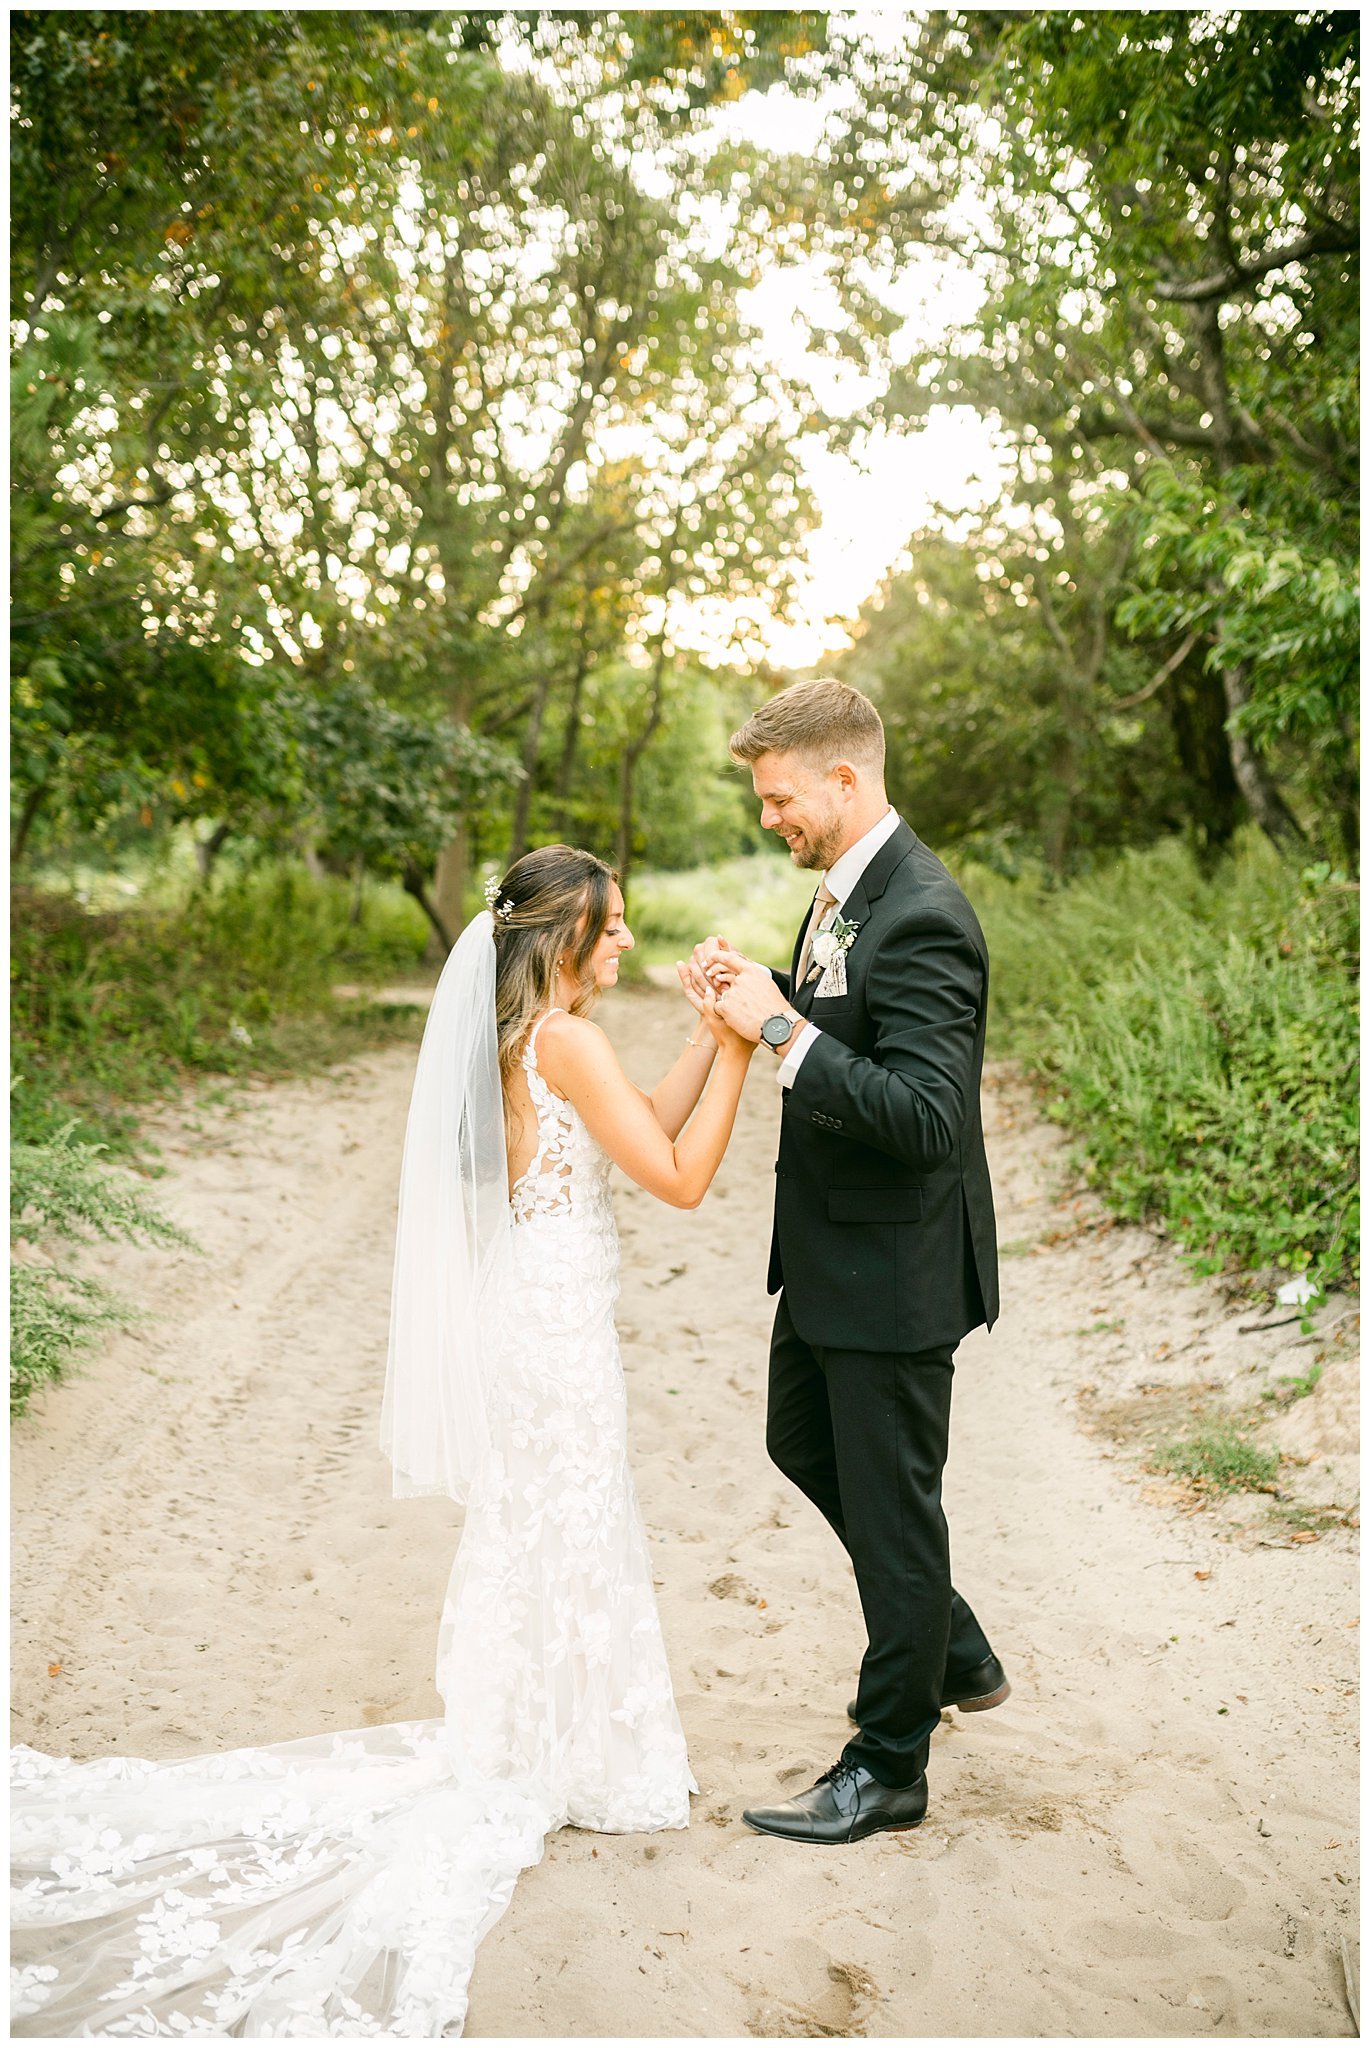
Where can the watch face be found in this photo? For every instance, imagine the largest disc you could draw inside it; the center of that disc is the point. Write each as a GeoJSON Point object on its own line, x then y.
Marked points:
{"type": "Point", "coordinates": [776, 1030]}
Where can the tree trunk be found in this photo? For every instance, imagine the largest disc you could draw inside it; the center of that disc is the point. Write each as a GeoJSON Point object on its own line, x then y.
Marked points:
{"type": "Point", "coordinates": [628, 766]}
{"type": "Point", "coordinates": [566, 767]}
{"type": "Point", "coordinates": [1266, 804]}
{"type": "Point", "coordinates": [207, 851]}
{"type": "Point", "coordinates": [1082, 653]}
{"type": "Point", "coordinates": [33, 803]}
{"type": "Point", "coordinates": [1346, 805]}
{"type": "Point", "coordinates": [532, 741]}
{"type": "Point", "coordinates": [623, 853]}
{"type": "Point", "coordinates": [415, 886]}
{"type": "Point", "coordinates": [354, 913]}
{"type": "Point", "coordinates": [1197, 710]}
{"type": "Point", "coordinates": [1058, 817]}
{"type": "Point", "coordinates": [450, 884]}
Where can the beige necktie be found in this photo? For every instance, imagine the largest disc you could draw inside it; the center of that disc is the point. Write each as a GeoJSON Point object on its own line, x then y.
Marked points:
{"type": "Point", "coordinates": [823, 903]}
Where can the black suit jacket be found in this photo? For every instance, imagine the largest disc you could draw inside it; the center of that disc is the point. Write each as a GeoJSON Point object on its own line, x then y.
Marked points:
{"type": "Point", "coordinates": [884, 1218]}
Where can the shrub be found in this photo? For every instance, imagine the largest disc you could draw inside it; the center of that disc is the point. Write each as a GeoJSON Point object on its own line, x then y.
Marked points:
{"type": "Point", "coordinates": [112, 1010]}
{"type": "Point", "coordinates": [1199, 1032]}
{"type": "Point", "coordinates": [1195, 1027]}
{"type": "Point", "coordinates": [60, 1189]}
{"type": "Point", "coordinates": [755, 901]}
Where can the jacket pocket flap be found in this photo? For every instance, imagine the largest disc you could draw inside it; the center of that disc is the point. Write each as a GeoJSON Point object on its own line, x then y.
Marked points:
{"type": "Point", "coordinates": [875, 1205]}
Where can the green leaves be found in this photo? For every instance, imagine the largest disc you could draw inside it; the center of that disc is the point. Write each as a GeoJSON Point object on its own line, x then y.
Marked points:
{"type": "Point", "coordinates": [385, 788]}
{"type": "Point", "coordinates": [1199, 1033]}
{"type": "Point", "coordinates": [60, 1189]}
{"type": "Point", "coordinates": [1261, 570]}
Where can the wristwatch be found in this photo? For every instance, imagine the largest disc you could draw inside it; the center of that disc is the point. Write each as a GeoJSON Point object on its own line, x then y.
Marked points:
{"type": "Point", "coordinates": [776, 1030]}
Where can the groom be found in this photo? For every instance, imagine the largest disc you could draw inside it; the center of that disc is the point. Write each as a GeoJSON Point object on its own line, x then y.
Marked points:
{"type": "Point", "coordinates": [883, 1250]}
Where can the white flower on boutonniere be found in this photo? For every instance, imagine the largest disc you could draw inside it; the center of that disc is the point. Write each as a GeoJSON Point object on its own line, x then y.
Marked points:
{"type": "Point", "coordinates": [829, 955]}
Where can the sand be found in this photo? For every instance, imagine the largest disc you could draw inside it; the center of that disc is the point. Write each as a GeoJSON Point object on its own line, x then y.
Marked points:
{"type": "Point", "coordinates": [1154, 1837]}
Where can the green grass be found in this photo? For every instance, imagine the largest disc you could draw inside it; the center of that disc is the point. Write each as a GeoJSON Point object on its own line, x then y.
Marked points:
{"type": "Point", "coordinates": [1315, 1519]}
{"type": "Point", "coordinates": [61, 1189]}
{"type": "Point", "coordinates": [1292, 1388]}
{"type": "Point", "coordinates": [54, 1317]}
{"type": "Point", "coordinates": [115, 1009]}
{"type": "Point", "coordinates": [1221, 1459]}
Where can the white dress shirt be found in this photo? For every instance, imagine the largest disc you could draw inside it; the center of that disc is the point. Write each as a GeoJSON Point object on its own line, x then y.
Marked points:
{"type": "Point", "coordinates": [841, 878]}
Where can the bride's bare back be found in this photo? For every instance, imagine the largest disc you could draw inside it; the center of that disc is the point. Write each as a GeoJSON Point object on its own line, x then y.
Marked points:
{"type": "Point", "coordinates": [521, 1128]}
{"type": "Point", "coordinates": [579, 1066]}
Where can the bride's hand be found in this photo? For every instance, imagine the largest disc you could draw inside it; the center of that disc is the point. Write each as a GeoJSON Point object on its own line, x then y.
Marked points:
{"type": "Point", "coordinates": [692, 984]}
{"type": "Point", "coordinates": [724, 1035]}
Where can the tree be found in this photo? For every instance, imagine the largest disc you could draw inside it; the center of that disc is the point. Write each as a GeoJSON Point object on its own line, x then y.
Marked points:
{"type": "Point", "coordinates": [990, 750]}
{"type": "Point", "coordinates": [1162, 210]}
{"type": "Point", "coordinates": [384, 790]}
{"type": "Point", "coordinates": [159, 167]}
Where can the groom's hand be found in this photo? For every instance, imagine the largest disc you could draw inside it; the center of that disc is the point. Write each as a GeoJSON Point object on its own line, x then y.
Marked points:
{"type": "Point", "coordinates": [749, 994]}
{"type": "Point", "coordinates": [705, 970]}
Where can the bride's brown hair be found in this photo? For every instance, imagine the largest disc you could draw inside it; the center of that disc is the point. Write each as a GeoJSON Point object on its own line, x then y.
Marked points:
{"type": "Point", "coordinates": [559, 899]}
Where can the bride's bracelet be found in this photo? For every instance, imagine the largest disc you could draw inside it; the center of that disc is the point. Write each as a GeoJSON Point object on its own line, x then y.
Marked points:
{"type": "Point", "coordinates": [708, 1044]}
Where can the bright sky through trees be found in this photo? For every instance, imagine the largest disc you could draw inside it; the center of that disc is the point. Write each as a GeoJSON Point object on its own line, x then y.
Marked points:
{"type": "Point", "coordinates": [871, 498]}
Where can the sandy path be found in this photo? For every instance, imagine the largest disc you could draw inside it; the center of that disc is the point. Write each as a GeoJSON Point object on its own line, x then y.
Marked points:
{"type": "Point", "coordinates": [1154, 1837]}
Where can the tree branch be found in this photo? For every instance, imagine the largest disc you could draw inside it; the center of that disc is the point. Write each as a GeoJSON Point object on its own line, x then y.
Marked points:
{"type": "Point", "coordinates": [547, 579]}
{"type": "Point", "coordinates": [1097, 425]}
{"type": "Point", "coordinates": [1053, 624]}
{"type": "Point", "coordinates": [1221, 284]}
{"type": "Point", "coordinates": [122, 505]}
{"type": "Point", "coordinates": [1161, 676]}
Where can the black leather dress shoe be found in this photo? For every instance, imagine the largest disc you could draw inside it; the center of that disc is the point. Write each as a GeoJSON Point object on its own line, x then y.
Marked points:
{"type": "Point", "coordinates": [846, 1805]}
{"type": "Point", "coordinates": [974, 1692]}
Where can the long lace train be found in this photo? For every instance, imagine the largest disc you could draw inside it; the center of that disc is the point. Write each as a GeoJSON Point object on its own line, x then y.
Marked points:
{"type": "Point", "coordinates": [334, 1886]}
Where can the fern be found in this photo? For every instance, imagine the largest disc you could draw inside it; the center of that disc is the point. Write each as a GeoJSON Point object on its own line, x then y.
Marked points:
{"type": "Point", "coordinates": [61, 1189]}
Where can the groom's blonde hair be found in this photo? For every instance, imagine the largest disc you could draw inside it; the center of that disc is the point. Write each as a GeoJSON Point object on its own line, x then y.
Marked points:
{"type": "Point", "coordinates": [823, 720]}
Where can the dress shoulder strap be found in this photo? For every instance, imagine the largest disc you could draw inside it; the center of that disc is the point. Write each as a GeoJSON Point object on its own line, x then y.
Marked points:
{"type": "Point", "coordinates": [530, 1057]}
{"type": "Point", "coordinates": [555, 1011]}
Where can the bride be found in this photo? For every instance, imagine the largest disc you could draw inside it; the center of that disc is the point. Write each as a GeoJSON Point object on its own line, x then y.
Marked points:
{"type": "Point", "coordinates": [339, 1885]}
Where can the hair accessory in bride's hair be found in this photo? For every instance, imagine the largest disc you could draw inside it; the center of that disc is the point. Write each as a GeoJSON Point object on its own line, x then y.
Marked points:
{"type": "Point", "coordinates": [501, 912]}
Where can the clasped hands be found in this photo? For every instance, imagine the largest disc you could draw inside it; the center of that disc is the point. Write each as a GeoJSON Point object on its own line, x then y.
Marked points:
{"type": "Point", "coordinates": [723, 985]}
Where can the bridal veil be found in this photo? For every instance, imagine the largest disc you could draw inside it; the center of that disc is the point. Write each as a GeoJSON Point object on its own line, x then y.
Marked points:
{"type": "Point", "coordinates": [452, 1234]}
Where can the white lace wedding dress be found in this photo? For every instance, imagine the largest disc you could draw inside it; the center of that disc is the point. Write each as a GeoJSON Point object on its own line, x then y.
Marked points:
{"type": "Point", "coordinates": [339, 1885]}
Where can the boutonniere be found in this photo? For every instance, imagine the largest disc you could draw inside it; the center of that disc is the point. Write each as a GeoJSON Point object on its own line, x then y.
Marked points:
{"type": "Point", "coordinates": [829, 955]}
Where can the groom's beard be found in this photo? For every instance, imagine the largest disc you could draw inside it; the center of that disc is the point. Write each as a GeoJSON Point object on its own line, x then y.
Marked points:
{"type": "Point", "coordinates": [820, 849]}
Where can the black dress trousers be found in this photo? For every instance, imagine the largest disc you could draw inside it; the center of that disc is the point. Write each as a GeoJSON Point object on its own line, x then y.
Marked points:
{"type": "Point", "coordinates": [864, 1435]}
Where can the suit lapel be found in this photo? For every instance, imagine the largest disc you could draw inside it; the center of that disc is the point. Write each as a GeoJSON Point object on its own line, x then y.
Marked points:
{"type": "Point", "coordinates": [873, 883]}
{"type": "Point", "coordinates": [799, 944]}
{"type": "Point", "coordinates": [802, 998]}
